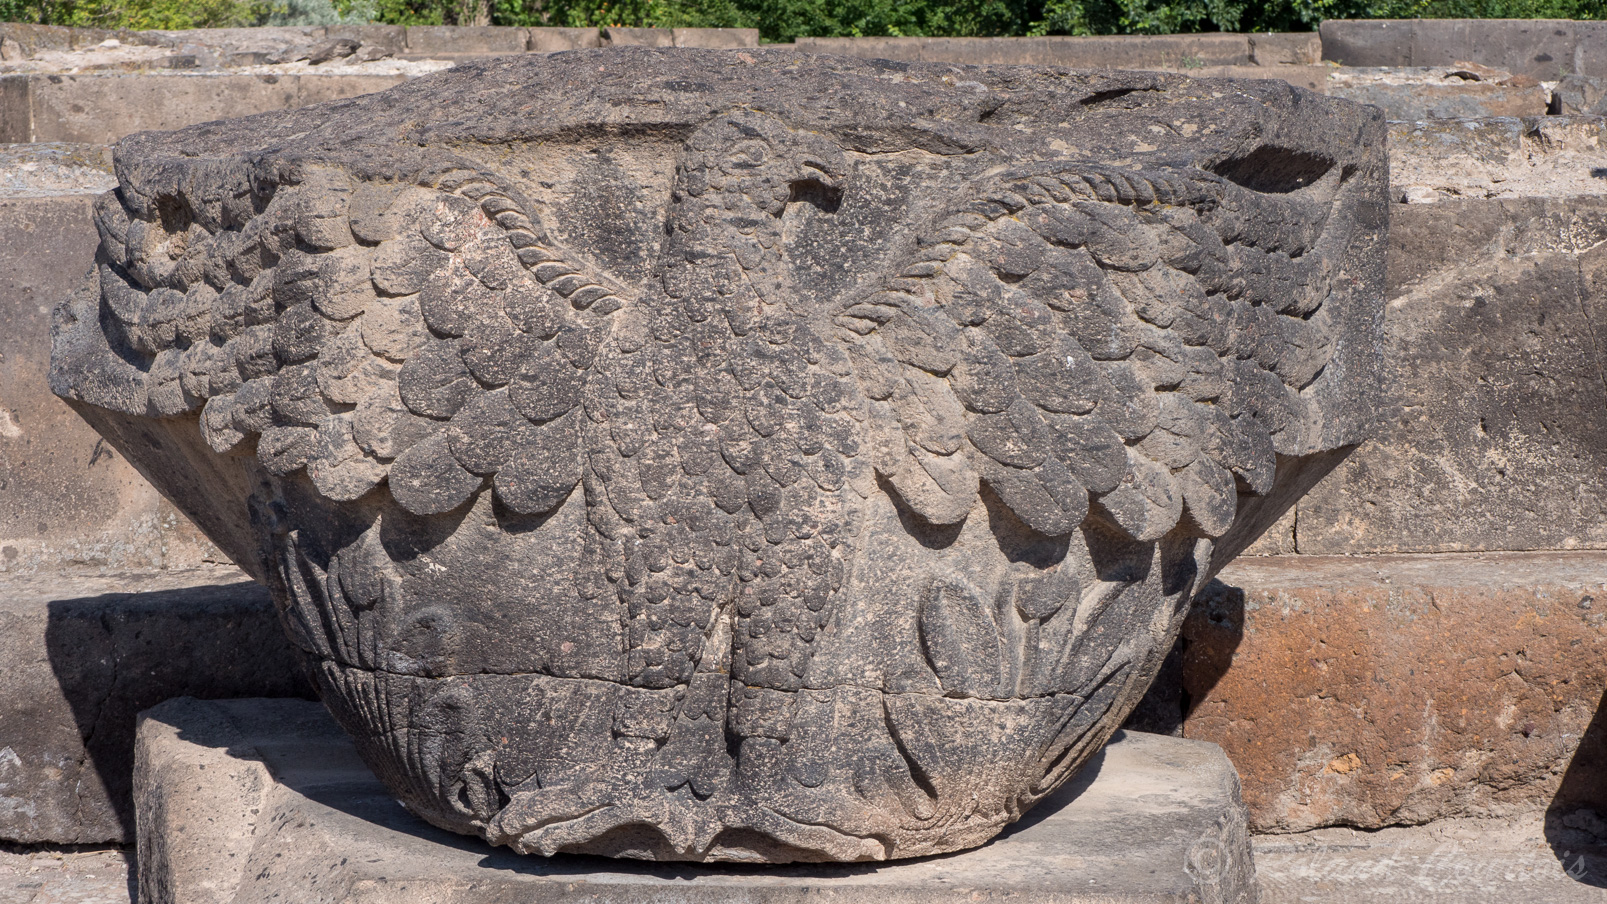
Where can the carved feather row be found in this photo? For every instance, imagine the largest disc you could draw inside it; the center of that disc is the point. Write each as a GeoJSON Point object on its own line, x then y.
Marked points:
{"type": "Point", "coordinates": [1079, 337]}
{"type": "Point", "coordinates": [429, 336]}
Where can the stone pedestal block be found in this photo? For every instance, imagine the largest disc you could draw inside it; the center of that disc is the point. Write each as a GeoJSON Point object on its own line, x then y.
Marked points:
{"type": "Point", "coordinates": [266, 800]}
{"type": "Point", "coordinates": [1392, 690]}
{"type": "Point", "coordinates": [81, 655]}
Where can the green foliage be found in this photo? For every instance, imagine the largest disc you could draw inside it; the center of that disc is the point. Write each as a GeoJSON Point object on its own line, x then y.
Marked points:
{"type": "Point", "coordinates": [182, 14]}
{"type": "Point", "coordinates": [784, 20]}
{"type": "Point", "coordinates": [1092, 17]}
{"type": "Point", "coordinates": [150, 14]}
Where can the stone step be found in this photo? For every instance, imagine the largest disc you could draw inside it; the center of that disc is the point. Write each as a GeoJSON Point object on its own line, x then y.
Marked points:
{"type": "Point", "coordinates": [1466, 861]}
{"type": "Point", "coordinates": [1460, 861]}
{"type": "Point", "coordinates": [82, 653]}
{"type": "Point", "coordinates": [1382, 690]}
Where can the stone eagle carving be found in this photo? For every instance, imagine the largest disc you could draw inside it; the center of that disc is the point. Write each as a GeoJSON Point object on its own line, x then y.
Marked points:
{"type": "Point", "coordinates": [704, 502]}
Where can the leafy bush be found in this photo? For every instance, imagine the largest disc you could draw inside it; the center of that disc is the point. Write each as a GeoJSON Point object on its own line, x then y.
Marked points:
{"type": "Point", "coordinates": [181, 14]}
{"type": "Point", "coordinates": [784, 20]}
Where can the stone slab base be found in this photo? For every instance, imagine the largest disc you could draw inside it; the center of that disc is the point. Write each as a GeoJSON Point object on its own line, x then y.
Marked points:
{"type": "Point", "coordinates": [266, 800]}
{"type": "Point", "coordinates": [80, 655]}
{"type": "Point", "coordinates": [1387, 690]}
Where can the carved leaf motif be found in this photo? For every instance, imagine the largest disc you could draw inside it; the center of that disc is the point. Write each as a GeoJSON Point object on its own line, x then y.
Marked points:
{"type": "Point", "coordinates": [961, 639]}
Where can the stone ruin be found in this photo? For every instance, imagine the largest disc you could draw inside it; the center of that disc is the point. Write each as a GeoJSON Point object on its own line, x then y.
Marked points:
{"type": "Point", "coordinates": [695, 456]}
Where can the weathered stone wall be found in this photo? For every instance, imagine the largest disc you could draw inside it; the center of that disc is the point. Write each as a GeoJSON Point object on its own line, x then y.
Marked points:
{"type": "Point", "coordinates": [1540, 48]}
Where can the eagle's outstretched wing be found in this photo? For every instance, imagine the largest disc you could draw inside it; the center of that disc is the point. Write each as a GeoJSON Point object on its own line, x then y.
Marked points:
{"type": "Point", "coordinates": [429, 335]}
{"type": "Point", "coordinates": [1079, 336]}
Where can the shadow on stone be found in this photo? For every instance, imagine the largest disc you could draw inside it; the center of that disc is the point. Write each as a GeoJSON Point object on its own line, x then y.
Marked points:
{"type": "Point", "coordinates": [1202, 654]}
{"type": "Point", "coordinates": [119, 653]}
{"type": "Point", "coordinates": [1576, 821]}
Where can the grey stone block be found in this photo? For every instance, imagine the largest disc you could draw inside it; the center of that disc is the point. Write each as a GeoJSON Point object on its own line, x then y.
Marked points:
{"type": "Point", "coordinates": [49, 169]}
{"type": "Point", "coordinates": [390, 38]}
{"type": "Point", "coordinates": [255, 801]}
{"type": "Point", "coordinates": [239, 39]}
{"type": "Point", "coordinates": [80, 655]}
{"type": "Point", "coordinates": [31, 39]}
{"type": "Point", "coordinates": [1493, 348]}
{"type": "Point", "coordinates": [616, 36]}
{"type": "Point", "coordinates": [16, 119]}
{"type": "Point", "coordinates": [1118, 52]}
{"type": "Point", "coordinates": [552, 40]}
{"type": "Point", "coordinates": [448, 41]}
{"type": "Point", "coordinates": [1541, 48]}
{"type": "Point", "coordinates": [1367, 42]}
{"type": "Point", "coordinates": [717, 38]}
{"type": "Point", "coordinates": [1580, 95]}
{"type": "Point", "coordinates": [1417, 93]}
{"type": "Point", "coordinates": [1289, 49]}
{"type": "Point", "coordinates": [68, 498]}
{"type": "Point", "coordinates": [101, 108]}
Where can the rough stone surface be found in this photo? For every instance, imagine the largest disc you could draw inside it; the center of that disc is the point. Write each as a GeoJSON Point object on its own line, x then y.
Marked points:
{"type": "Point", "coordinates": [1496, 439]}
{"type": "Point", "coordinates": [100, 108]}
{"type": "Point", "coordinates": [660, 478]}
{"type": "Point", "coordinates": [1580, 95]}
{"type": "Point", "coordinates": [65, 876]}
{"type": "Point", "coordinates": [1386, 690]}
{"type": "Point", "coordinates": [1546, 49]}
{"type": "Point", "coordinates": [49, 169]}
{"type": "Point", "coordinates": [251, 801]}
{"type": "Point", "coordinates": [1530, 157]}
{"type": "Point", "coordinates": [1466, 861]}
{"type": "Point", "coordinates": [80, 654]}
{"type": "Point", "coordinates": [69, 498]}
{"type": "Point", "coordinates": [1447, 92]}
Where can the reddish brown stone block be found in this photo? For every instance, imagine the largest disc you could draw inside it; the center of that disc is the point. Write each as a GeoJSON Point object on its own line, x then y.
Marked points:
{"type": "Point", "coordinates": [1400, 689]}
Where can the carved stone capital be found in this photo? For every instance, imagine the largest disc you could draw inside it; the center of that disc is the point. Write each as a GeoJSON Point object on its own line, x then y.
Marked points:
{"type": "Point", "coordinates": [739, 456]}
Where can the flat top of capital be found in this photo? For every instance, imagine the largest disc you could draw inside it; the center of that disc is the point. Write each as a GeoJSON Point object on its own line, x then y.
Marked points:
{"type": "Point", "coordinates": [998, 113]}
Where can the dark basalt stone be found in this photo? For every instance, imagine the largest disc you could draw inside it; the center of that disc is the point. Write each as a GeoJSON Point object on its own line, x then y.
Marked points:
{"type": "Point", "coordinates": [739, 456]}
